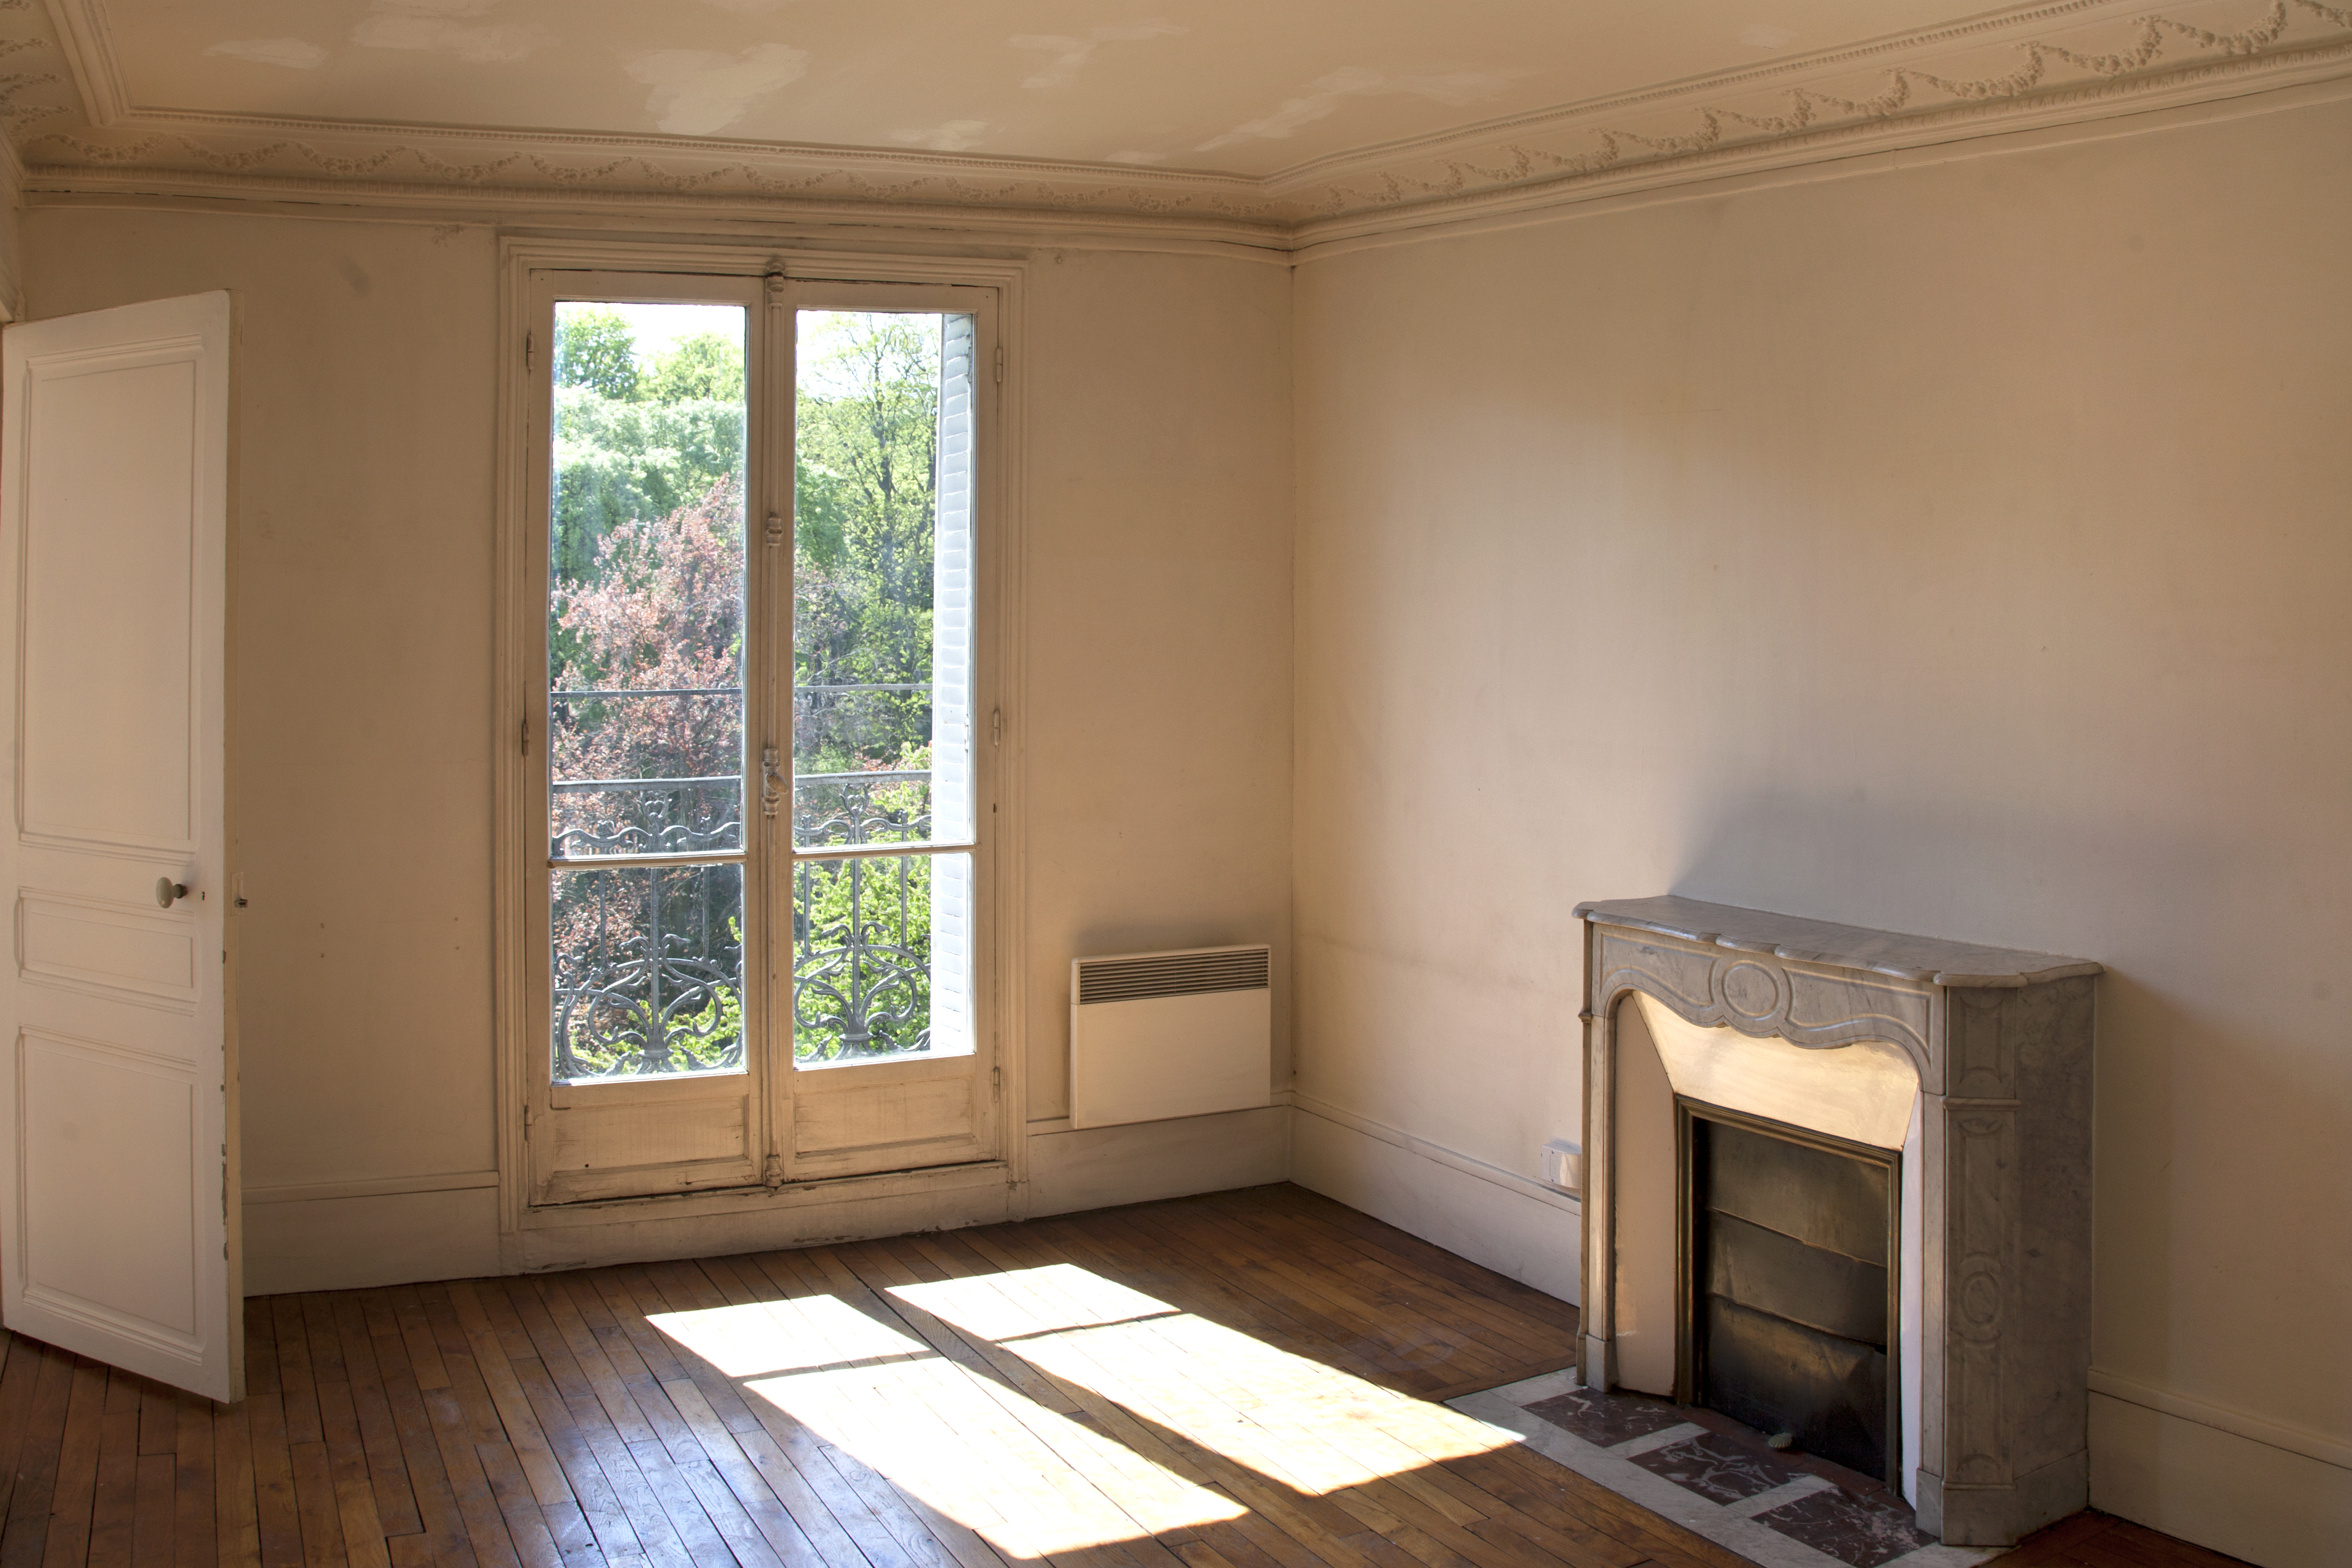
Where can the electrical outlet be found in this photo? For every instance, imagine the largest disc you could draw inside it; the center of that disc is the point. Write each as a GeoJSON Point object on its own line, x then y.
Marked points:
{"type": "Point", "coordinates": [1563, 1165]}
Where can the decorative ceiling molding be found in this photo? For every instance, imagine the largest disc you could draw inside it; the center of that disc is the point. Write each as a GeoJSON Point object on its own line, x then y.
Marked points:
{"type": "Point", "coordinates": [63, 103]}
{"type": "Point", "coordinates": [88, 41]}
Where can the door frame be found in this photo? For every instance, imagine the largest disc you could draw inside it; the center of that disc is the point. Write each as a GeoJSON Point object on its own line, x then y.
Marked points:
{"type": "Point", "coordinates": [539, 1236]}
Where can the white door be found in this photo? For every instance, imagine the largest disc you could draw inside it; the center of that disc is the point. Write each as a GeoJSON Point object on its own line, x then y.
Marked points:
{"type": "Point", "coordinates": [118, 1188]}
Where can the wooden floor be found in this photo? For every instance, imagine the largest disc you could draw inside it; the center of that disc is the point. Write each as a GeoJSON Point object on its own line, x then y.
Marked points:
{"type": "Point", "coordinates": [1236, 1381]}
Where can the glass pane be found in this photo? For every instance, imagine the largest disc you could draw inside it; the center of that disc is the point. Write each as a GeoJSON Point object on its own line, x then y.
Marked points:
{"type": "Point", "coordinates": [882, 621]}
{"type": "Point", "coordinates": [648, 971]}
{"type": "Point", "coordinates": [881, 958]}
{"type": "Point", "coordinates": [644, 594]}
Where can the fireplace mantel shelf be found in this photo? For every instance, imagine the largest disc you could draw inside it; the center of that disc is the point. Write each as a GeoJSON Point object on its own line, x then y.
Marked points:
{"type": "Point", "coordinates": [1925, 958]}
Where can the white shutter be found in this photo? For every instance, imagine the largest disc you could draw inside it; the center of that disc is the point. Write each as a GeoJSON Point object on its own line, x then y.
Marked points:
{"type": "Point", "coordinates": [952, 730]}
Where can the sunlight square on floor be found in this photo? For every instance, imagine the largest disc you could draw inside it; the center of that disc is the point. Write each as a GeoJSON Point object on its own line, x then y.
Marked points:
{"type": "Point", "coordinates": [1157, 1392]}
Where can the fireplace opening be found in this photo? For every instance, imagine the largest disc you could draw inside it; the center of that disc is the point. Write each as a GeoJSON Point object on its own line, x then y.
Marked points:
{"type": "Point", "coordinates": [1788, 1284]}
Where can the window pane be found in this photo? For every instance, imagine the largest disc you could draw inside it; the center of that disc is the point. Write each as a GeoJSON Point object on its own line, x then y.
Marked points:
{"type": "Point", "coordinates": [881, 958]}
{"type": "Point", "coordinates": [648, 967]}
{"type": "Point", "coordinates": [644, 607]}
{"type": "Point", "coordinates": [882, 626]}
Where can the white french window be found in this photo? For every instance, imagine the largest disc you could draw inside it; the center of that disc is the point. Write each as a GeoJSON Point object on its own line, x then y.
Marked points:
{"type": "Point", "coordinates": [755, 790]}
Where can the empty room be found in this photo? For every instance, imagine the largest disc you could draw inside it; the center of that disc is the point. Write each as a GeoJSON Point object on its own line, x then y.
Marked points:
{"type": "Point", "coordinates": [1175, 784]}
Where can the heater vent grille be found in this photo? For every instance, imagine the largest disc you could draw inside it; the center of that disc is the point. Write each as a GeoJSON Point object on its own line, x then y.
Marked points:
{"type": "Point", "coordinates": [1149, 974]}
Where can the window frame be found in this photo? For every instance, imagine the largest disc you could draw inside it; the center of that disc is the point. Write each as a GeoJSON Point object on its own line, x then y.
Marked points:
{"type": "Point", "coordinates": [519, 962]}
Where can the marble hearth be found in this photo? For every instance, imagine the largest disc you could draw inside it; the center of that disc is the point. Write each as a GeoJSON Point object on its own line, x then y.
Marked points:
{"type": "Point", "coordinates": [1970, 1066]}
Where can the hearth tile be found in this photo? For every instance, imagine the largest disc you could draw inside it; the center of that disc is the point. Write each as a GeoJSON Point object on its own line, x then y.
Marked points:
{"type": "Point", "coordinates": [1860, 1530]}
{"type": "Point", "coordinates": [1607, 1418]}
{"type": "Point", "coordinates": [1716, 1467]}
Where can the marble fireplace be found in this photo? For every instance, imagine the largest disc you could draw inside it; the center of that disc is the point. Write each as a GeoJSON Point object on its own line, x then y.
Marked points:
{"type": "Point", "coordinates": [1946, 1083]}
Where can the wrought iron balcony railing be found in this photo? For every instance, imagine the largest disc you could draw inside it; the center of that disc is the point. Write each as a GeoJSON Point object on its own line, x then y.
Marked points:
{"type": "Point", "coordinates": [648, 961]}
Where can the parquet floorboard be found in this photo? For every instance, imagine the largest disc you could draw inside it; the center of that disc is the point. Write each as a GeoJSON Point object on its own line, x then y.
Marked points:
{"type": "Point", "coordinates": [1242, 1380]}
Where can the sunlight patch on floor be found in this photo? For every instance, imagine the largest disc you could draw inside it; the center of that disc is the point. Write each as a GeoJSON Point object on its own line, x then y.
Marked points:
{"type": "Point", "coordinates": [1032, 1481]}
{"type": "Point", "coordinates": [1029, 1479]}
{"type": "Point", "coordinates": [1294, 1420]}
{"type": "Point", "coordinates": [784, 1336]}
{"type": "Point", "coordinates": [1101, 1442]}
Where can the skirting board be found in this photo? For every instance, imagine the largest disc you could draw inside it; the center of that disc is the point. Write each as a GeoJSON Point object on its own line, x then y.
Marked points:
{"type": "Point", "coordinates": [1102, 1167]}
{"type": "Point", "coordinates": [1497, 1223]}
{"type": "Point", "coordinates": [388, 1238]}
{"type": "Point", "coordinates": [2234, 1494]}
{"type": "Point", "coordinates": [345, 1240]}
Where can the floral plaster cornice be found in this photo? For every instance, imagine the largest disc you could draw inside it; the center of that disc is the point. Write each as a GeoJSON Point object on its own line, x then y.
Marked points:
{"type": "Point", "coordinates": [2050, 63]}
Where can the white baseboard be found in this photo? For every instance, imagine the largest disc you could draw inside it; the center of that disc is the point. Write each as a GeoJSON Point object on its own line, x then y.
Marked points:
{"type": "Point", "coordinates": [370, 1239]}
{"type": "Point", "coordinates": [2272, 1505]}
{"type": "Point", "coordinates": [1102, 1167]}
{"type": "Point", "coordinates": [860, 1208]}
{"type": "Point", "coordinates": [350, 1235]}
{"type": "Point", "coordinates": [1491, 1216]}
{"type": "Point", "coordinates": [382, 1186]}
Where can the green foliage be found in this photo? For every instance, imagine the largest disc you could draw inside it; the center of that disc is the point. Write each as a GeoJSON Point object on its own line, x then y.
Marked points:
{"type": "Point", "coordinates": [714, 1037]}
{"type": "Point", "coordinates": [702, 368]}
{"type": "Point", "coordinates": [596, 347]}
{"type": "Point", "coordinates": [883, 905]}
{"type": "Point", "coordinates": [617, 462]}
{"type": "Point", "coordinates": [646, 561]}
{"type": "Point", "coordinates": [865, 473]}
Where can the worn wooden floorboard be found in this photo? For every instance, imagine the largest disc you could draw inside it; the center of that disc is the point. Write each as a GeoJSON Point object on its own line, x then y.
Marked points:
{"type": "Point", "coordinates": [1242, 1380]}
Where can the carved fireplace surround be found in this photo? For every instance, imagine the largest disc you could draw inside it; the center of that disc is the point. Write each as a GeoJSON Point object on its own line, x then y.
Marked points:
{"type": "Point", "coordinates": [2000, 1040]}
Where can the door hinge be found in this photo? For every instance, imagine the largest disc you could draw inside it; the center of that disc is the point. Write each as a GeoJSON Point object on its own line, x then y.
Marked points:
{"type": "Point", "coordinates": [1000, 364]}
{"type": "Point", "coordinates": [772, 782]}
{"type": "Point", "coordinates": [530, 349]}
{"type": "Point", "coordinates": [996, 726]}
{"type": "Point", "coordinates": [776, 529]}
{"type": "Point", "coordinates": [530, 1115]}
{"type": "Point", "coordinates": [522, 736]}
{"type": "Point", "coordinates": [774, 1177]}
{"type": "Point", "coordinates": [996, 1081]}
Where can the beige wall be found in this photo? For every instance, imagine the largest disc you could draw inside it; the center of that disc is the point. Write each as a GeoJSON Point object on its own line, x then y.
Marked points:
{"type": "Point", "coordinates": [1158, 748]}
{"type": "Point", "coordinates": [1156, 726]}
{"type": "Point", "coordinates": [360, 654]}
{"type": "Point", "coordinates": [1962, 550]}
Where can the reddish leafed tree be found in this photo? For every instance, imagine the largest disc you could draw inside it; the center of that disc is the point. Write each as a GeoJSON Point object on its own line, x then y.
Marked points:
{"type": "Point", "coordinates": [664, 613]}
{"type": "Point", "coordinates": [663, 616]}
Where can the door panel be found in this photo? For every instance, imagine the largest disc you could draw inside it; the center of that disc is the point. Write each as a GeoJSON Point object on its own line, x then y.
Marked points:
{"type": "Point", "coordinates": [110, 1190]}
{"type": "Point", "coordinates": [599, 1149]}
{"type": "Point", "coordinates": [892, 1116]}
{"type": "Point", "coordinates": [118, 1197]}
{"type": "Point", "coordinates": [109, 544]}
{"type": "Point", "coordinates": [112, 952]}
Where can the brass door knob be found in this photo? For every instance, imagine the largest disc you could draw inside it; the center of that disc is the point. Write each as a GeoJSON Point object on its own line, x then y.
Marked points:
{"type": "Point", "coordinates": [167, 890]}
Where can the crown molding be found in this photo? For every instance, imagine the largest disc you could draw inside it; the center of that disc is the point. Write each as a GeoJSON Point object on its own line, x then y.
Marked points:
{"type": "Point", "coordinates": [2022, 67]}
{"type": "Point", "coordinates": [1312, 244]}
{"type": "Point", "coordinates": [2101, 109]}
{"type": "Point", "coordinates": [88, 42]}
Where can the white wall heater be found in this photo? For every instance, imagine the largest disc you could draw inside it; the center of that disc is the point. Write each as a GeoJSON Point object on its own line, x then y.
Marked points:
{"type": "Point", "coordinates": [1156, 1034]}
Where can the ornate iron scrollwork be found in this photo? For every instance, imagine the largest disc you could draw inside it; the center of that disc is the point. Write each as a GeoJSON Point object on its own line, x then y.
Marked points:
{"type": "Point", "coordinates": [861, 926]}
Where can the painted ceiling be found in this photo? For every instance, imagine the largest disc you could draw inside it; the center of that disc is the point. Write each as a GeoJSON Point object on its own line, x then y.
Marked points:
{"type": "Point", "coordinates": [1271, 113]}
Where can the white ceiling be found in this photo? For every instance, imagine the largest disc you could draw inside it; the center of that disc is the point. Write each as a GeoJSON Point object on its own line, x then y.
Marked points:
{"type": "Point", "coordinates": [1227, 85]}
{"type": "Point", "coordinates": [1265, 119]}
